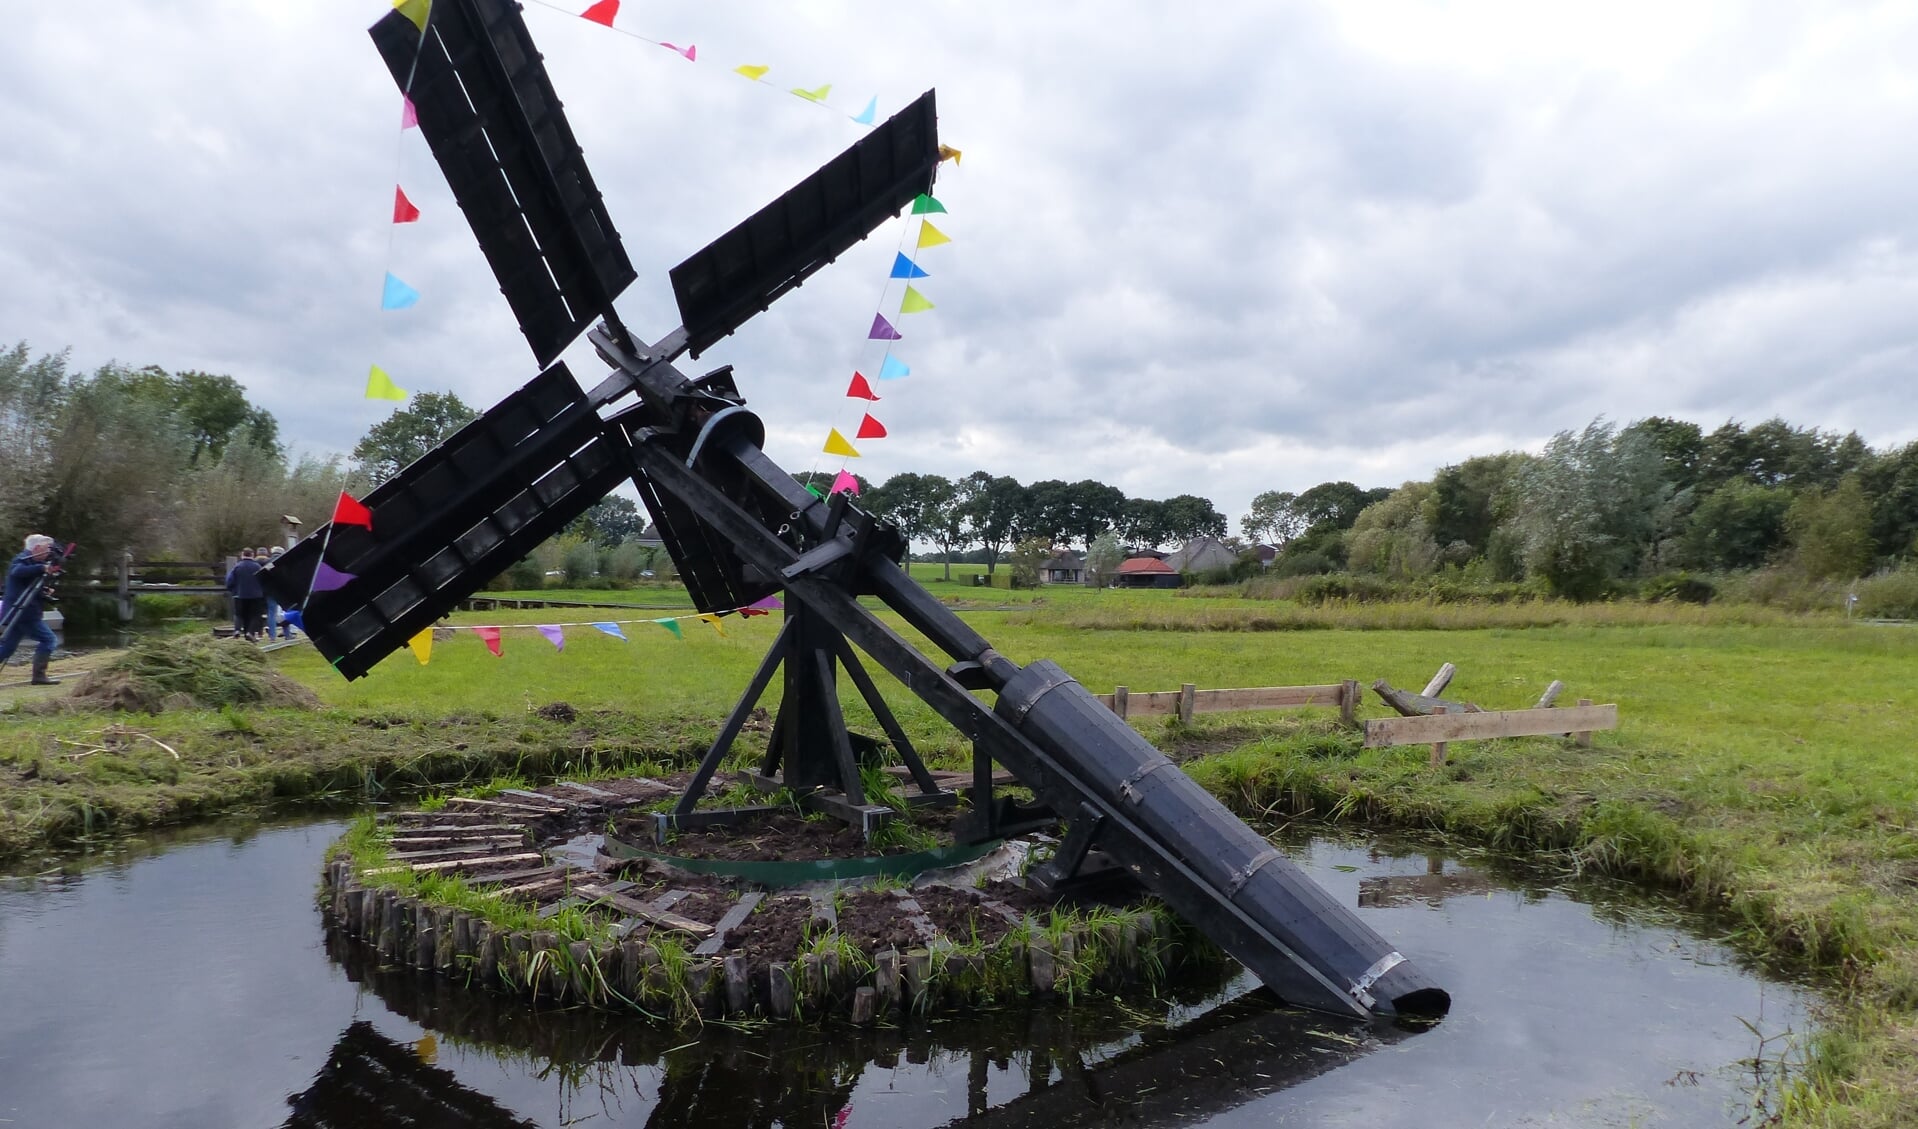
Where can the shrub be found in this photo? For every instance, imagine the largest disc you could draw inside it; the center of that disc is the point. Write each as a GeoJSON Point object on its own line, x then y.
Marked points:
{"type": "Point", "coordinates": [1679, 588]}
{"type": "Point", "coordinates": [1890, 595]}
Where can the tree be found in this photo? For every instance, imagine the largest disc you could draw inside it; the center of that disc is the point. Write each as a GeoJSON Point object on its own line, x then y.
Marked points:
{"type": "Point", "coordinates": [1028, 557]}
{"type": "Point", "coordinates": [1467, 499]}
{"type": "Point", "coordinates": [609, 521]}
{"type": "Point", "coordinates": [1273, 518]}
{"type": "Point", "coordinates": [1739, 525]}
{"type": "Point", "coordinates": [1188, 516]}
{"type": "Point", "coordinates": [1103, 558]}
{"type": "Point", "coordinates": [392, 444]}
{"type": "Point", "coordinates": [1096, 508]}
{"type": "Point", "coordinates": [1143, 523]}
{"type": "Point", "coordinates": [1890, 481]}
{"type": "Point", "coordinates": [1392, 537]}
{"type": "Point", "coordinates": [916, 503]}
{"type": "Point", "coordinates": [991, 508]}
{"type": "Point", "coordinates": [1047, 512]}
{"type": "Point", "coordinates": [1831, 531]}
{"type": "Point", "coordinates": [822, 480]}
{"type": "Point", "coordinates": [1586, 511]}
{"type": "Point", "coordinates": [1680, 446]}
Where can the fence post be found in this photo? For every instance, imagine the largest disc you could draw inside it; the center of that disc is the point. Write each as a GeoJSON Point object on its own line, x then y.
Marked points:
{"type": "Point", "coordinates": [1349, 702]}
{"type": "Point", "coordinates": [1438, 747]}
{"type": "Point", "coordinates": [126, 586]}
{"type": "Point", "coordinates": [1188, 697]}
{"type": "Point", "coordinates": [1550, 695]}
{"type": "Point", "coordinates": [1584, 738]}
{"type": "Point", "coordinates": [1119, 701]}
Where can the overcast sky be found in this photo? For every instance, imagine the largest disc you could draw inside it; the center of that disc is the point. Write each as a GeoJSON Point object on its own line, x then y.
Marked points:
{"type": "Point", "coordinates": [1211, 249]}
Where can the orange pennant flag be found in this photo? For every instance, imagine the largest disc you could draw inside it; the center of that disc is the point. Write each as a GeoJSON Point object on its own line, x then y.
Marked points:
{"type": "Point", "coordinates": [930, 236]}
{"type": "Point", "coordinates": [870, 428]}
{"type": "Point", "coordinates": [836, 445]}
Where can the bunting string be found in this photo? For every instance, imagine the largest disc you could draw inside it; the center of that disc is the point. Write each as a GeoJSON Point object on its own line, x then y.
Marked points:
{"type": "Point", "coordinates": [493, 634]}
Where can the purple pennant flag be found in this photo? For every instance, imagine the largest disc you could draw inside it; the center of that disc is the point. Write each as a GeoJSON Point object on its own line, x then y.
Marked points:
{"type": "Point", "coordinates": [770, 603]}
{"type": "Point", "coordinates": [882, 330]}
{"type": "Point", "coordinates": [326, 578]}
{"type": "Point", "coordinates": [554, 636]}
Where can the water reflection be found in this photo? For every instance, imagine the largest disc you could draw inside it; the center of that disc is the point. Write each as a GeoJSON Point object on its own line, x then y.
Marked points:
{"type": "Point", "coordinates": [191, 984]}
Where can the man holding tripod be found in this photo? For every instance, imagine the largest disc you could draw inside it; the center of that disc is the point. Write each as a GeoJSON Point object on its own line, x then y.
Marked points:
{"type": "Point", "coordinates": [27, 582]}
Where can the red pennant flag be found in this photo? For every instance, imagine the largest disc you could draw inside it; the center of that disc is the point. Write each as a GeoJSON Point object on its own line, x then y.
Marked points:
{"type": "Point", "coordinates": [602, 12]}
{"type": "Point", "coordinates": [870, 428]}
{"type": "Point", "coordinates": [490, 636]}
{"type": "Point", "coordinates": [859, 389]}
{"type": "Point", "coordinates": [403, 209]}
{"type": "Point", "coordinates": [348, 511]}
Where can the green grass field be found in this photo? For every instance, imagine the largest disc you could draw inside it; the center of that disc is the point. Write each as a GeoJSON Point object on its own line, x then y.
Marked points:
{"type": "Point", "coordinates": [1762, 767]}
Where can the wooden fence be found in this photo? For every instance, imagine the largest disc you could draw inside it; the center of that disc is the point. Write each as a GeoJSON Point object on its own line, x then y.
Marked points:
{"type": "Point", "coordinates": [1437, 729]}
{"type": "Point", "coordinates": [1189, 699]}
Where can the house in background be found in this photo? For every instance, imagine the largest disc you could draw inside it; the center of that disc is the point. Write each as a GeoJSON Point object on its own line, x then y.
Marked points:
{"type": "Point", "coordinates": [1202, 554]}
{"type": "Point", "coordinates": [1146, 572]}
{"type": "Point", "coordinates": [1064, 567]}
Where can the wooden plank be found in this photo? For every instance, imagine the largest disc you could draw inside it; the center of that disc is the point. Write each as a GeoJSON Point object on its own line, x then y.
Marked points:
{"type": "Point", "coordinates": [637, 909]}
{"type": "Point", "coordinates": [469, 830]}
{"type": "Point", "coordinates": [500, 807]}
{"type": "Point", "coordinates": [455, 864]}
{"type": "Point", "coordinates": [1268, 698]}
{"type": "Point", "coordinates": [589, 790]}
{"type": "Point", "coordinates": [1423, 730]}
{"type": "Point", "coordinates": [1439, 681]}
{"type": "Point", "coordinates": [1550, 695]}
{"type": "Point", "coordinates": [744, 906]}
{"type": "Point", "coordinates": [522, 795]}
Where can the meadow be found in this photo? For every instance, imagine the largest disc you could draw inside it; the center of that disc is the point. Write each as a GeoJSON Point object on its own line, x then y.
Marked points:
{"type": "Point", "coordinates": [1761, 768]}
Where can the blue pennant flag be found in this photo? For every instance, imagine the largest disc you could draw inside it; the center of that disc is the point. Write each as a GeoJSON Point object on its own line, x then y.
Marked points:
{"type": "Point", "coordinates": [903, 267]}
{"type": "Point", "coordinates": [398, 295]}
{"type": "Point", "coordinates": [865, 116]}
{"type": "Point", "coordinates": [892, 368]}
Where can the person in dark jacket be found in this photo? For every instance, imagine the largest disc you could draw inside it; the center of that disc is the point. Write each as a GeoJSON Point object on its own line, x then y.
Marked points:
{"type": "Point", "coordinates": [32, 564]}
{"type": "Point", "coordinates": [249, 598]}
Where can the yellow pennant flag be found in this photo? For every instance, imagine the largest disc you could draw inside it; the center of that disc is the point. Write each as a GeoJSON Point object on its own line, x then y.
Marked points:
{"type": "Point", "coordinates": [712, 621]}
{"type": "Point", "coordinates": [380, 386]}
{"type": "Point", "coordinates": [415, 11]}
{"type": "Point", "coordinates": [948, 153]}
{"type": "Point", "coordinates": [422, 645]}
{"type": "Point", "coordinates": [752, 72]}
{"type": "Point", "coordinates": [930, 236]}
{"type": "Point", "coordinates": [914, 303]}
{"type": "Point", "coordinates": [836, 445]}
{"type": "Point", "coordinates": [818, 95]}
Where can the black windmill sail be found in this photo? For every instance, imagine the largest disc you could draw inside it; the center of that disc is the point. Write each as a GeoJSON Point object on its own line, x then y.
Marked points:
{"type": "Point", "coordinates": [739, 527]}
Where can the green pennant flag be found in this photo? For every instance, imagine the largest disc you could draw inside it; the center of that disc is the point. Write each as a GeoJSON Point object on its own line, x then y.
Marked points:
{"type": "Point", "coordinates": [914, 303]}
{"type": "Point", "coordinates": [671, 625]}
{"type": "Point", "coordinates": [923, 203]}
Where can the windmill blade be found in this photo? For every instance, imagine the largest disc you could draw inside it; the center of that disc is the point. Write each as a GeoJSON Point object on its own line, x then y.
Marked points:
{"type": "Point", "coordinates": [489, 112]}
{"type": "Point", "coordinates": [778, 247]}
{"type": "Point", "coordinates": [451, 521]}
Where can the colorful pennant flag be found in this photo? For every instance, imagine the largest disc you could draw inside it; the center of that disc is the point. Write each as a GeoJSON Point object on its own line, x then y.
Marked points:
{"type": "Point", "coordinates": [403, 209]}
{"type": "Point", "coordinates": [380, 386]}
{"type": "Point", "coordinates": [409, 117]}
{"type": "Point", "coordinates": [553, 635]}
{"type": "Point", "coordinates": [422, 645]}
{"type": "Point", "coordinates": [859, 389]}
{"type": "Point", "coordinates": [869, 428]}
{"type": "Point", "coordinates": [690, 51]}
{"type": "Point", "coordinates": [752, 72]}
{"type": "Point", "coordinates": [818, 95]}
{"type": "Point", "coordinates": [892, 368]}
{"type": "Point", "coordinates": [836, 445]}
{"type": "Point", "coordinates": [712, 621]}
{"type": "Point", "coordinates": [882, 330]}
{"type": "Point", "coordinates": [903, 267]}
{"type": "Point", "coordinates": [930, 236]}
{"type": "Point", "coordinates": [948, 153]}
{"type": "Point", "coordinates": [416, 11]}
{"type": "Point", "coordinates": [766, 604]}
{"type": "Point", "coordinates": [602, 12]}
{"type": "Point", "coordinates": [814, 491]}
{"type": "Point", "coordinates": [914, 302]}
{"type": "Point", "coordinates": [611, 628]}
{"type": "Point", "coordinates": [865, 116]}
{"type": "Point", "coordinates": [490, 637]}
{"type": "Point", "coordinates": [349, 511]}
{"type": "Point", "coordinates": [397, 295]}
{"type": "Point", "coordinates": [326, 578]}
{"type": "Point", "coordinates": [845, 480]}
{"type": "Point", "coordinates": [922, 203]}
{"type": "Point", "coordinates": [671, 625]}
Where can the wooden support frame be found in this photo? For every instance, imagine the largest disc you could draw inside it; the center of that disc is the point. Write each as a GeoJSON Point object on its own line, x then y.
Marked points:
{"type": "Point", "coordinates": [1189, 700]}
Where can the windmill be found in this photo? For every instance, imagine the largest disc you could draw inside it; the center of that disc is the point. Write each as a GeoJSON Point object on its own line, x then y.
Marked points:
{"type": "Point", "coordinates": [739, 528]}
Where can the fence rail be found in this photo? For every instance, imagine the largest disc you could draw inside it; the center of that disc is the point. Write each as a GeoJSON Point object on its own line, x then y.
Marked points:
{"type": "Point", "coordinates": [1188, 700]}
{"type": "Point", "coordinates": [1577, 722]}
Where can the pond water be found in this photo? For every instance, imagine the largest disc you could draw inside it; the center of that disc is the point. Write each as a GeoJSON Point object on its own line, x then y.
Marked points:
{"type": "Point", "coordinates": [187, 982]}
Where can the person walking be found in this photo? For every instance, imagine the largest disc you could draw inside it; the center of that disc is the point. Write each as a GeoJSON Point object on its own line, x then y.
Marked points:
{"type": "Point", "coordinates": [34, 562]}
{"type": "Point", "coordinates": [249, 598]}
{"type": "Point", "coordinates": [272, 556]}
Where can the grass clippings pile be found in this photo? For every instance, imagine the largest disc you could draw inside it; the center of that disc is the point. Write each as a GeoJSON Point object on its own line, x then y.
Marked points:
{"type": "Point", "coordinates": [175, 673]}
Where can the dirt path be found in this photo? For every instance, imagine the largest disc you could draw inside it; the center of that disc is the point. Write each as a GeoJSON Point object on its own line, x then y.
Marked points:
{"type": "Point", "coordinates": [14, 685]}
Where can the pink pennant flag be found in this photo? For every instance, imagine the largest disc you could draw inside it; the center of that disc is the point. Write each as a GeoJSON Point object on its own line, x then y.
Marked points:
{"type": "Point", "coordinates": [489, 636]}
{"type": "Point", "coordinates": [845, 481]}
{"type": "Point", "coordinates": [691, 50]}
{"type": "Point", "coordinates": [409, 118]}
{"type": "Point", "coordinates": [554, 636]}
{"type": "Point", "coordinates": [403, 209]}
{"type": "Point", "coordinates": [602, 12]}
{"type": "Point", "coordinates": [882, 329]}
{"type": "Point", "coordinates": [326, 578]}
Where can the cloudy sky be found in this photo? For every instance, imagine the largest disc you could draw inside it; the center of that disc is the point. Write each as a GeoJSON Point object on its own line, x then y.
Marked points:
{"type": "Point", "coordinates": [1216, 249]}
